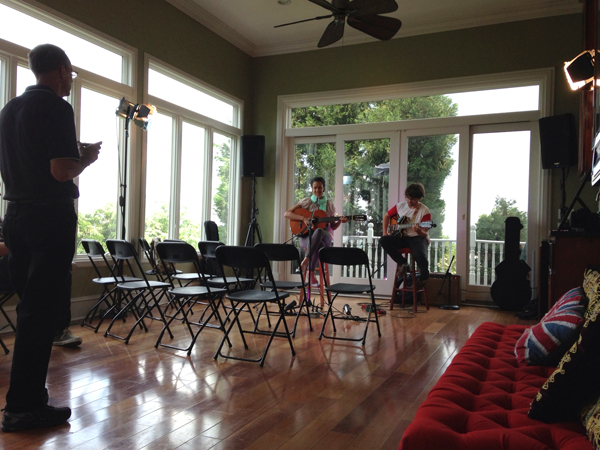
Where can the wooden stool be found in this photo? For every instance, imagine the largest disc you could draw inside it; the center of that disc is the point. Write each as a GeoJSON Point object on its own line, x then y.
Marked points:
{"type": "Point", "coordinates": [413, 272]}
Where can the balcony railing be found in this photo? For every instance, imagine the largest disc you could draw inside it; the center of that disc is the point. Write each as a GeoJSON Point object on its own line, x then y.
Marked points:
{"type": "Point", "coordinates": [484, 255]}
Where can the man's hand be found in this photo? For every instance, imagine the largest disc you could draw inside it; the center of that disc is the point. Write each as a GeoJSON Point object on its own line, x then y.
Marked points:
{"type": "Point", "coordinates": [89, 152]}
{"type": "Point", "coordinates": [64, 169]}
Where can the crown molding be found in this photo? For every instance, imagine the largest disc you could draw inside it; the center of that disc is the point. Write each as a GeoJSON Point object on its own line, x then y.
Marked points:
{"type": "Point", "coordinates": [215, 25]}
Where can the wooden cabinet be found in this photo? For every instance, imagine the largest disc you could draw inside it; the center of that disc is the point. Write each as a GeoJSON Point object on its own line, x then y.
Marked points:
{"type": "Point", "coordinates": [569, 254]}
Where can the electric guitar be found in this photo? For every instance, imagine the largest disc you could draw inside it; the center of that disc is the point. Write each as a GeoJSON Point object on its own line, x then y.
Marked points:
{"type": "Point", "coordinates": [320, 220]}
{"type": "Point", "coordinates": [399, 225]}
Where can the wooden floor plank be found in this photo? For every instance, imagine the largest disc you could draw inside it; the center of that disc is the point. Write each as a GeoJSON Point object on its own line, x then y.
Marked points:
{"type": "Point", "coordinates": [333, 394]}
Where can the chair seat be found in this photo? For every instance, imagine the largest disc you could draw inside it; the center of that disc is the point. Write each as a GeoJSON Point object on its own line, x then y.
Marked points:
{"type": "Point", "coordinates": [220, 281]}
{"type": "Point", "coordinates": [255, 296]}
{"type": "Point", "coordinates": [192, 291]}
{"type": "Point", "coordinates": [186, 276]}
{"type": "Point", "coordinates": [282, 285]}
{"type": "Point", "coordinates": [135, 285]}
{"type": "Point", "coordinates": [111, 280]}
{"type": "Point", "coordinates": [347, 288]}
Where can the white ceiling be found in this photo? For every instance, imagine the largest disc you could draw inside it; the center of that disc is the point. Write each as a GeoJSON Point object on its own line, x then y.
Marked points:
{"type": "Point", "coordinates": [249, 24]}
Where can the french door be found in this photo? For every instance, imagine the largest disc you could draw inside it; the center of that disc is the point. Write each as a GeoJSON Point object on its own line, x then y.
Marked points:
{"type": "Point", "coordinates": [462, 168]}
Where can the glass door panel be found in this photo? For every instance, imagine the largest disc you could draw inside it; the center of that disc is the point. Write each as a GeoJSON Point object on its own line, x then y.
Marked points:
{"type": "Point", "coordinates": [499, 189]}
{"type": "Point", "coordinates": [433, 161]}
{"type": "Point", "coordinates": [316, 159]}
{"type": "Point", "coordinates": [366, 182]}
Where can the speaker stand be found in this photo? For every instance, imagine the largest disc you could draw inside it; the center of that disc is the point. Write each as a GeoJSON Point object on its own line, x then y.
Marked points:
{"type": "Point", "coordinates": [576, 199]}
{"type": "Point", "coordinates": [253, 226]}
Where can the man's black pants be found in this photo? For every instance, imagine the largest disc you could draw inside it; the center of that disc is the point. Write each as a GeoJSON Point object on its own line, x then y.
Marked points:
{"type": "Point", "coordinates": [41, 240]}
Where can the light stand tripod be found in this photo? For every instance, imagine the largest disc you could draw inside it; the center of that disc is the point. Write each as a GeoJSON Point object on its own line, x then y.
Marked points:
{"type": "Point", "coordinates": [141, 115]}
{"type": "Point", "coordinates": [253, 227]}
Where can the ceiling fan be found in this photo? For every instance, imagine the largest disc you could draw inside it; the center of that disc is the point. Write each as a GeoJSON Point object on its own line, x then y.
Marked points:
{"type": "Point", "coordinates": [360, 14]}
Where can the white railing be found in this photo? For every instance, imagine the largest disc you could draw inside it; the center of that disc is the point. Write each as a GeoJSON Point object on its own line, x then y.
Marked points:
{"type": "Point", "coordinates": [484, 255]}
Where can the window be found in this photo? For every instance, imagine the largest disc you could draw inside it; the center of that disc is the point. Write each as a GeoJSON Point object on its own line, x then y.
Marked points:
{"type": "Point", "coordinates": [191, 158]}
{"type": "Point", "coordinates": [479, 102]}
{"type": "Point", "coordinates": [27, 31]}
{"type": "Point", "coordinates": [94, 96]}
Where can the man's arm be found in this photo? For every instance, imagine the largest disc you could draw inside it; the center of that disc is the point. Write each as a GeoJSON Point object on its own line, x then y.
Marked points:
{"type": "Point", "coordinates": [65, 169]}
{"type": "Point", "coordinates": [386, 223]}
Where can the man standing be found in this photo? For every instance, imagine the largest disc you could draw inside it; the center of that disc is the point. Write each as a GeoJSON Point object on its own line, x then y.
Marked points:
{"type": "Point", "coordinates": [39, 158]}
{"type": "Point", "coordinates": [416, 237]}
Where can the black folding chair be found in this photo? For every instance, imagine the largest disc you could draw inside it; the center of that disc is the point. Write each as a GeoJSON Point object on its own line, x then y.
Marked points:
{"type": "Point", "coordinates": [4, 297]}
{"type": "Point", "coordinates": [96, 253]}
{"type": "Point", "coordinates": [211, 230]}
{"type": "Point", "coordinates": [347, 256]}
{"type": "Point", "coordinates": [137, 297]}
{"type": "Point", "coordinates": [187, 296]}
{"type": "Point", "coordinates": [285, 253]}
{"type": "Point", "coordinates": [242, 260]}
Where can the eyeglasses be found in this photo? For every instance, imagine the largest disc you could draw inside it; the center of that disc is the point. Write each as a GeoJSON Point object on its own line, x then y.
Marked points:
{"type": "Point", "coordinates": [74, 74]}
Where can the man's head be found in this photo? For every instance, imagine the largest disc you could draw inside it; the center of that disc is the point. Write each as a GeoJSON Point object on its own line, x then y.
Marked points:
{"type": "Point", "coordinates": [413, 193]}
{"type": "Point", "coordinates": [52, 67]}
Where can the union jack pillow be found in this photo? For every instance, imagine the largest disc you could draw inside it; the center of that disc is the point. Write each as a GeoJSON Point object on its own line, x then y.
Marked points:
{"type": "Point", "coordinates": [544, 344]}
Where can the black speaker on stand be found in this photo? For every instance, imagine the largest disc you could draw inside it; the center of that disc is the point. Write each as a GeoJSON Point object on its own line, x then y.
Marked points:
{"type": "Point", "coordinates": [253, 165]}
{"type": "Point", "coordinates": [559, 145]}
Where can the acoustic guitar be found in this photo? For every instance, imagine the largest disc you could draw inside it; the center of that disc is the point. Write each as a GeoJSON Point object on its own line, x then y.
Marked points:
{"type": "Point", "coordinates": [320, 220]}
{"type": "Point", "coordinates": [399, 225]}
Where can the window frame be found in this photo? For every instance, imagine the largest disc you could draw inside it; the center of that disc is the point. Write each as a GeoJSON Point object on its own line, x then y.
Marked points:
{"type": "Point", "coordinates": [211, 126]}
{"type": "Point", "coordinates": [287, 136]}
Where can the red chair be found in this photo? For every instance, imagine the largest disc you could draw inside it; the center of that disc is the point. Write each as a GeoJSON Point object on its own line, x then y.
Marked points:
{"type": "Point", "coordinates": [402, 286]}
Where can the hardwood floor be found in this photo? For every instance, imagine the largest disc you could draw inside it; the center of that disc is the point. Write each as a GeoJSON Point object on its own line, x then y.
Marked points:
{"type": "Point", "coordinates": [332, 394]}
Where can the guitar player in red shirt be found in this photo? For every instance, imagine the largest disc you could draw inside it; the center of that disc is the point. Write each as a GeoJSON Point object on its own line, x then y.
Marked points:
{"type": "Point", "coordinates": [409, 230]}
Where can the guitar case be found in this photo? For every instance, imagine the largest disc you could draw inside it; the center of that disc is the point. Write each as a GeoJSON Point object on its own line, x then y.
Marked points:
{"type": "Point", "coordinates": [512, 289]}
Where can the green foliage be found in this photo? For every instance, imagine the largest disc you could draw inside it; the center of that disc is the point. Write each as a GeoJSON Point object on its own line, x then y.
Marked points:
{"type": "Point", "coordinates": [99, 225]}
{"type": "Point", "coordinates": [491, 226]}
{"type": "Point", "coordinates": [367, 161]}
{"type": "Point", "coordinates": [222, 157]}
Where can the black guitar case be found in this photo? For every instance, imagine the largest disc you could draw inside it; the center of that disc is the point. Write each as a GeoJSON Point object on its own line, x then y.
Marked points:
{"type": "Point", "coordinates": [512, 288]}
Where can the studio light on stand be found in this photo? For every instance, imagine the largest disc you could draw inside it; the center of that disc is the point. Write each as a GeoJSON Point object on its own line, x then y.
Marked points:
{"type": "Point", "coordinates": [141, 115]}
{"type": "Point", "coordinates": [580, 70]}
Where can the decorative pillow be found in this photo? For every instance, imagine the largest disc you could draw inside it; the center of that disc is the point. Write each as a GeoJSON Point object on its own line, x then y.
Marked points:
{"type": "Point", "coordinates": [591, 289]}
{"type": "Point", "coordinates": [574, 383]}
{"type": "Point", "coordinates": [590, 418]}
{"type": "Point", "coordinates": [545, 343]}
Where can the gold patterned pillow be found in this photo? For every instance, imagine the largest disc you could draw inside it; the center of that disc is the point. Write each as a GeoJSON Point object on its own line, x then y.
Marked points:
{"type": "Point", "coordinates": [590, 418]}
{"type": "Point", "coordinates": [591, 288]}
{"type": "Point", "coordinates": [574, 382]}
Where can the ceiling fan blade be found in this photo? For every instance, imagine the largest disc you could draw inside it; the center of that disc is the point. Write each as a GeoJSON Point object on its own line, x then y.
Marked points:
{"type": "Point", "coordinates": [369, 7]}
{"type": "Point", "coordinates": [305, 20]}
{"type": "Point", "coordinates": [333, 33]}
{"type": "Point", "coordinates": [326, 5]}
{"type": "Point", "coordinates": [380, 27]}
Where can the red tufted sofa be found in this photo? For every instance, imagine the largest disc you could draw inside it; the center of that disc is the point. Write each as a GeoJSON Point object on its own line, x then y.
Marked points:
{"type": "Point", "coordinates": [482, 400]}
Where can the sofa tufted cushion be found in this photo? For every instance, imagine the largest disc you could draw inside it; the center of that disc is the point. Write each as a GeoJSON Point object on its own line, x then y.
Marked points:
{"type": "Point", "coordinates": [546, 342]}
{"type": "Point", "coordinates": [482, 399]}
{"type": "Point", "coordinates": [574, 383]}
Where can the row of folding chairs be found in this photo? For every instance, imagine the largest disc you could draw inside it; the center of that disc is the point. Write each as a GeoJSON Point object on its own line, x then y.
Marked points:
{"type": "Point", "coordinates": [247, 267]}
